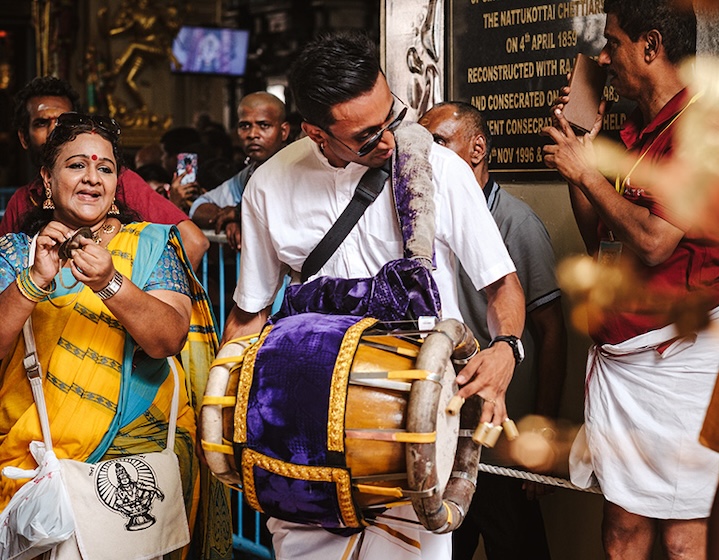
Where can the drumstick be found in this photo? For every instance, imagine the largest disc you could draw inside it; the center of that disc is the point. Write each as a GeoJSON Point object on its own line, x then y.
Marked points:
{"type": "Point", "coordinates": [410, 352]}
{"type": "Point", "coordinates": [455, 403]}
{"type": "Point", "coordinates": [510, 429]}
{"type": "Point", "coordinates": [481, 431]}
{"type": "Point", "coordinates": [487, 434]}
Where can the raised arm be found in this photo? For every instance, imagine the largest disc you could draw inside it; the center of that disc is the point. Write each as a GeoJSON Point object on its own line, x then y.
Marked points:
{"type": "Point", "coordinates": [650, 237]}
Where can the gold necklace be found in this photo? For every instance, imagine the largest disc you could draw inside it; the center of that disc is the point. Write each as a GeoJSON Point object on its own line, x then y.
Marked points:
{"type": "Point", "coordinates": [106, 229]}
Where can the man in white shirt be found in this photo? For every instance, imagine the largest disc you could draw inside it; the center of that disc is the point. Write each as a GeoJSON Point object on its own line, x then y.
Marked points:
{"type": "Point", "coordinates": [263, 129]}
{"type": "Point", "coordinates": [295, 197]}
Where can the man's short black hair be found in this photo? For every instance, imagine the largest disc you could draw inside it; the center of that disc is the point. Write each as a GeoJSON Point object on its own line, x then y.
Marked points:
{"type": "Point", "coordinates": [154, 172]}
{"type": "Point", "coordinates": [335, 68]}
{"type": "Point", "coordinates": [180, 139]}
{"type": "Point", "coordinates": [677, 26]}
{"type": "Point", "coordinates": [45, 86]}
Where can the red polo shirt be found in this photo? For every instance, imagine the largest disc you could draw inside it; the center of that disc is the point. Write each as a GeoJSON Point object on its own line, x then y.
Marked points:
{"type": "Point", "coordinates": [132, 190]}
{"type": "Point", "coordinates": [693, 266]}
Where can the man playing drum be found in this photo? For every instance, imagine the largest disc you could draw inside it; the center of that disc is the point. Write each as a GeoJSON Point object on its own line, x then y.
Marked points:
{"type": "Point", "coordinates": [350, 118]}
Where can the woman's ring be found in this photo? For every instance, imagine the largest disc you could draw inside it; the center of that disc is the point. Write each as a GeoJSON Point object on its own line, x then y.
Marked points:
{"type": "Point", "coordinates": [490, 401]}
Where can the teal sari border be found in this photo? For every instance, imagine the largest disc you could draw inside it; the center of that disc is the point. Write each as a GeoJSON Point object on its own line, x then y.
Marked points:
{"type": "Point", "coordinates": [138, 389]}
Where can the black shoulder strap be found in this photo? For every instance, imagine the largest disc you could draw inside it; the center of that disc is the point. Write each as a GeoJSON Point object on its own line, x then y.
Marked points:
{"type": "Point", "coordinates": [369, 188]}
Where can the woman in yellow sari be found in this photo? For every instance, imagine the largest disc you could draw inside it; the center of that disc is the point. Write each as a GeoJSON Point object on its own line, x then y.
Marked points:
{"type": "Point", "coordinates": [108, 308]}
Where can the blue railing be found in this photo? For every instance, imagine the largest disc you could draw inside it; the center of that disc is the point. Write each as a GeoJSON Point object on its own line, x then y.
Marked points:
{"type": "Point", "coordinates": [219, 272]}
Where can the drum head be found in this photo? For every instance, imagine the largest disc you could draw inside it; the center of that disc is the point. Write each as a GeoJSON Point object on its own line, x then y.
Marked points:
{"type": "Point", "coordinates": [447, 429]}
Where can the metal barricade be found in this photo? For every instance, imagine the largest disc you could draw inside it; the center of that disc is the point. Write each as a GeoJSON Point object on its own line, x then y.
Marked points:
{"type": "Point", "coordinates": [219, 272]}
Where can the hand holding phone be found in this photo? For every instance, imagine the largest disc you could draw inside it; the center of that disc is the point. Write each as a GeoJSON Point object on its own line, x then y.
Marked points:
{"type": "Point", "coordinates": [586, 88]}
{"type": "Point", "coordinates": [187, 164]}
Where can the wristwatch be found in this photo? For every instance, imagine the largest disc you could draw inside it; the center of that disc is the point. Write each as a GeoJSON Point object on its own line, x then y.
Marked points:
{"type": "Point", "coordinates": [514, 342]}
{"type": "Point", "coordinates": [112, 288]}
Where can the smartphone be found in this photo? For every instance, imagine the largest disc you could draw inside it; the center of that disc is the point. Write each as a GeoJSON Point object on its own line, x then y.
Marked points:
{"type": "Point", "coordinates": [587, 86]}
{"type": "Point", "coordinates": [187, 163]}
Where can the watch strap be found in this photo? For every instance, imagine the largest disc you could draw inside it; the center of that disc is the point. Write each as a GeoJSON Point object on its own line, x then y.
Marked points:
{"type": "Point", "coordinates": [513, 342]}
{"type": "Point", "coordinates": [112, 288]}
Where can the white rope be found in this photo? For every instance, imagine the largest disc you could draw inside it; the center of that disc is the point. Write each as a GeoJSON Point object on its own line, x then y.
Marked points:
{"type": "Point", "coordinates": [542, 479]}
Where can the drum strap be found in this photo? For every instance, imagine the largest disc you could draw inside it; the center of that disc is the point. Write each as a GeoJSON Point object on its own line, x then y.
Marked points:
{"type": "Point", "coordinates": [368, 189]}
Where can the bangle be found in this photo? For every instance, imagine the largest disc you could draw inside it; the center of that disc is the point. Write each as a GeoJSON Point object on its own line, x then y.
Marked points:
{"type": "Point", "coordinates": [30, 289]}
{"type": "Point", "coordinates": [112, 288]}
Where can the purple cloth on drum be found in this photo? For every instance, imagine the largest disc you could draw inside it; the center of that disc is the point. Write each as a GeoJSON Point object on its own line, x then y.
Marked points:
{"type": "Point", "coordinates": [287, 415]}
{"type": "Point", "coordinates": [402, 289]}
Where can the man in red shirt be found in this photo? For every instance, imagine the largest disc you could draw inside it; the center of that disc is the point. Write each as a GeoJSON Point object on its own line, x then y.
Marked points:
{"type": "Point", "coordinates": [37, 106]}
{"type": "Point", "coordinates": [647, 387]}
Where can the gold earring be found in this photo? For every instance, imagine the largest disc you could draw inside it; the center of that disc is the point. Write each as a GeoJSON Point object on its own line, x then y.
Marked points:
{"type": "Point", "coordinates": [48, 203]}
{"type": "Point", "coordinates": [114, 210]}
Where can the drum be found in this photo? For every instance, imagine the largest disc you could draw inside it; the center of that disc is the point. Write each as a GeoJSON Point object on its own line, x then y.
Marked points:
{"type": "Point", "coordinates": [329, 420]}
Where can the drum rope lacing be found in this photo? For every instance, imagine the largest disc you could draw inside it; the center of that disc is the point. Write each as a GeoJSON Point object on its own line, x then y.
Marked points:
{"type": "Point", "coordinates": [533, 477]}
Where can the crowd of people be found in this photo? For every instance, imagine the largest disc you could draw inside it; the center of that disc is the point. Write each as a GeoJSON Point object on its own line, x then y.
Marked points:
{"type": "Point", "coordinates": [99, 255]}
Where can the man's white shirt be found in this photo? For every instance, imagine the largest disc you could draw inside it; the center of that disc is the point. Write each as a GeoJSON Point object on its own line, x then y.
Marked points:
{"type": "Point", "coordinates": [294, 198]}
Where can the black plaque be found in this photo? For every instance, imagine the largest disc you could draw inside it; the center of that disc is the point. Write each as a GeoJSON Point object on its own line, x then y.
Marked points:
{"type": "Point", "coordinates": [509, 58]}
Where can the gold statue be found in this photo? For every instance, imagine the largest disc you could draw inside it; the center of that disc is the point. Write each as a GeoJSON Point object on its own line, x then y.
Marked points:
{"type": "Point", "coordinates": [153, 27]}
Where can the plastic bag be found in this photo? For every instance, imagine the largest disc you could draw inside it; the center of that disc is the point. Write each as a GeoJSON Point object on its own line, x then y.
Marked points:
{"type": "Point", "coordinates": [39, 515]}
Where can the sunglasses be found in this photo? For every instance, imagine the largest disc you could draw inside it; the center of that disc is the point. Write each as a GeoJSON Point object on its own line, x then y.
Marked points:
{"type": "Point", "coordinates": [75, 120]}
{"type": "Point", "coordinates": [375, 139]}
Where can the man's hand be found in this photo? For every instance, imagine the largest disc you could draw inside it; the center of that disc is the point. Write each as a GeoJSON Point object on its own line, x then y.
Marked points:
{"type": "Point", "coordinates": [488, 375]}
{"type": "Point", "coordinates": [225, 216]}
{"type": "Point", "coordinates": [181, 195]}
{"type": "Point", "coordinates": [233, 231]}
{"type": "Point", "coordinates": [241, 323]}
{"type": "Point", "coordinates": [572, 156]}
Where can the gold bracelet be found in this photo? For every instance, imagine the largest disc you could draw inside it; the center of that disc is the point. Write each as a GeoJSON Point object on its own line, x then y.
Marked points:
{"type": "Point", "coordinates": [30, 289]}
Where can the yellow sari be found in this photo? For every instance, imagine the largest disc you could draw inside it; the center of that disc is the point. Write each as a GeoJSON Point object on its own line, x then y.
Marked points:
{"type": "Point", "coordinates": [105, 400]}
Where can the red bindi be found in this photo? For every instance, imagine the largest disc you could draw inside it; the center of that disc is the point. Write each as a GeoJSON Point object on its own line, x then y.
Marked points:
{"type": "Point", "coordinates": [94, 157]}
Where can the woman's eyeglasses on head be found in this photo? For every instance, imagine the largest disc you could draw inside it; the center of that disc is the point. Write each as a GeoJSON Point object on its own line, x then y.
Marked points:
{"type": "Point", "coordinates": [75, 120]}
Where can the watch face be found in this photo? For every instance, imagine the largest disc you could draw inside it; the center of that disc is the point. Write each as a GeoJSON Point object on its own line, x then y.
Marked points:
{"type": "Point", "coordinates": [520, 350]}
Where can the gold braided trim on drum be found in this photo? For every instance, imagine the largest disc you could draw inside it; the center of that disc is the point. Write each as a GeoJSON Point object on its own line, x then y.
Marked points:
{"type": "Point", "coordinates": [245, 384]}
{"type": "Point", "coordinates": [340, 477]}
{"type": "Point", "coordinates": [340, 379]}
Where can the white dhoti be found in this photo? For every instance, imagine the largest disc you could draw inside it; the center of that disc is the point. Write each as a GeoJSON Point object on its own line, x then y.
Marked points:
{"type": "Point", "coordinates": [377, 542]}
{"type": "Point", "coordinates": [643, 414]}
